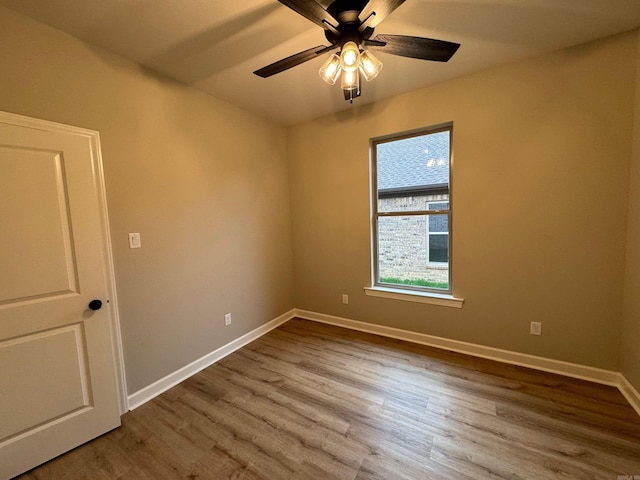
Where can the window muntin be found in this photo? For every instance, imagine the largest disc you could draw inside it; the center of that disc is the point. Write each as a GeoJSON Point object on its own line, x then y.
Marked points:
{"type": "Point", "coordinates": [411, 177]}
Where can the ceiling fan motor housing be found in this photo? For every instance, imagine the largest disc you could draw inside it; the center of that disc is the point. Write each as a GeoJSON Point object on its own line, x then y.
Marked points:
{"type": "Point", "coordinates": [347, 13]}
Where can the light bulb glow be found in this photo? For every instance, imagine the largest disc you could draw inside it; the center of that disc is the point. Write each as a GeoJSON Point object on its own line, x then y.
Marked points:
{"type": "Point", "coordinates": [350, 56]}
{"type": "Point", "coordinates": [370, 66]}
{"type": "Point", "coordinates": [330, 69]}
{"type": "Point", "coordinates": [351, 84]}
{"type": "Point", "coordinates": [350, 79]}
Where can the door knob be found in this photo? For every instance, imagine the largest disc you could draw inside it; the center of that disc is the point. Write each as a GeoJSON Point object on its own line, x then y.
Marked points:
{"type": "Point", "coordinates": [95, 304]}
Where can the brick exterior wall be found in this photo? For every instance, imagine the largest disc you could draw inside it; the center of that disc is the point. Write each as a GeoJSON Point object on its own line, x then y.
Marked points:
{"type": "Point", "coordinates": [402, 241]}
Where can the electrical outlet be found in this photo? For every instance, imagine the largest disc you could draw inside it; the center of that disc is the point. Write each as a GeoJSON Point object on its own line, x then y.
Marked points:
{"type": "Point", "coordinates": [535, 328]}
{"type": "Point", "coordinates": [227, 319]}
{"type": "Point", "coordinates": [345, 298]}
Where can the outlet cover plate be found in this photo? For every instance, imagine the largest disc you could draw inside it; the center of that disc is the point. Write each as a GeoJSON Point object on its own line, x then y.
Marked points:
{"type": "Point", "coordinates": [535, 328]}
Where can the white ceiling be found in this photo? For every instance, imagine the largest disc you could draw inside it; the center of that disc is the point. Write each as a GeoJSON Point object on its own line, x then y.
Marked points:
{"type": "Point", "coordinates": [215, 45]}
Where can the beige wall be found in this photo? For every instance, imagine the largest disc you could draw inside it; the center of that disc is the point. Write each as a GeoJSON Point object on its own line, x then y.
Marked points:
{"type": "Point", "coordinates": [630, 351]}
{"type": "Point", "coordinates": [540, 185]}
{"type": "Point", "coordinates": [202, 181]}
{"type": "Point", "coordinates": [542, 152]}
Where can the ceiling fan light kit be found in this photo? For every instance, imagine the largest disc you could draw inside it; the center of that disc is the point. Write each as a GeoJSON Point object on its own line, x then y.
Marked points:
{"type": "Point", "coordinates": [350, 36]}
{"type": "Point", "coordinates": [350, 63]}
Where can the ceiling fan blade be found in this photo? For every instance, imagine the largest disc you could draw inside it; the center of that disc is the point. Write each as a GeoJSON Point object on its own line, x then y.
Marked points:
{"type": "Point", "coordinates": [311, 10]}
{"type": "Point", "coordinates": [416, 47]}
{"type": "Point", "coordinates": [292, 61]}
{"type": "Point", "coordinates": [381, 8]}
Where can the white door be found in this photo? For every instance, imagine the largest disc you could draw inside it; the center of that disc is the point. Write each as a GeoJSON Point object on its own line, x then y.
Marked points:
{"type": "Point", "coordinates": [57, 377]}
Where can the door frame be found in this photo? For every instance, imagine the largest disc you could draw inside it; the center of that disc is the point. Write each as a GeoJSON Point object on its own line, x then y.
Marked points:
{"type": "Point", "coordinates": [107, 260]}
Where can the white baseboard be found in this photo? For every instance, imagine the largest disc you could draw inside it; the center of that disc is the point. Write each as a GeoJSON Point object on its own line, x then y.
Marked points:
{"type": "Point", "coordinates": [597, 375]}
{"type": "Point", "coordinates": [630, 393]}
{"type": "Point", "coordinates": [156, 388]}
{"type": "Point", "coordinates": [607, 377]}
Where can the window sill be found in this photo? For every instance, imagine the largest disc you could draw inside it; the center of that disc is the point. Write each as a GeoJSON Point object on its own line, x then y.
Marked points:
{"type": "Point", "coordinates": [411, 296]}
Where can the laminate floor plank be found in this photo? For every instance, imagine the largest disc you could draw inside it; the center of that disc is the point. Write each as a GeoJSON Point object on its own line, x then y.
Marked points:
{"type": "Point", "coordinates": [310, 401]}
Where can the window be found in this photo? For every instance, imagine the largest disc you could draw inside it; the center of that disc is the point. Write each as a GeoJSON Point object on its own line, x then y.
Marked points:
{"type": "Point", "coordinates": [412, 205]}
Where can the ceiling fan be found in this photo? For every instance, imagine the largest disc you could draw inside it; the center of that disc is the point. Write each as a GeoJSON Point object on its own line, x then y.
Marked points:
{"type": "Point", "coordinates": [348, 26]}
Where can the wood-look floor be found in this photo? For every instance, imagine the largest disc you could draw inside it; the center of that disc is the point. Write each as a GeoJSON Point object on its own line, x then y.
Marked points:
{"type": "Point", "coordinates": [310, 401]}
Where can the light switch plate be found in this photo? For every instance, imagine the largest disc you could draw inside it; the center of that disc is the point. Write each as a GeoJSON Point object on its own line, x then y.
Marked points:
{"type": "Point", "coordinates": [134, 240]}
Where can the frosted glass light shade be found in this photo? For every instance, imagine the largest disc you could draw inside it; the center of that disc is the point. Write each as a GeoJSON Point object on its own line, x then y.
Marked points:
{"type": "Point", "coordinates": [349, 57]}
{"type": "Point", "coordinates": [350, 80]}
{"type": "Point", "coordinates": [330, 69]}
{"type": "Point", "coordinates": [369, 65]}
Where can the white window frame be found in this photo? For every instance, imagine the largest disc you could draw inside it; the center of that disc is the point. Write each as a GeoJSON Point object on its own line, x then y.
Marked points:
{"type": "Point", "coordinates": [409, 293]}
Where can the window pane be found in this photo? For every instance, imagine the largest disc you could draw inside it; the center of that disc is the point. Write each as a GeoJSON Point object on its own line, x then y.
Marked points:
{"type": "Point", "coordinates": [438, 206]}
{"type": "Point", "coordinates": [438, 248]}
{"type": "Point", "coordinates": [403, 248]}
{"type": "Point", "coordinates": [438, 223]}
{"type": "Point", "coordinates": [413, 171]}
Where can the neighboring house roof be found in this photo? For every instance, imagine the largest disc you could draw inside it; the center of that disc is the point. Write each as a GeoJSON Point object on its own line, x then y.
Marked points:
{"type": "Point", "coordinates": [413, 164]}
